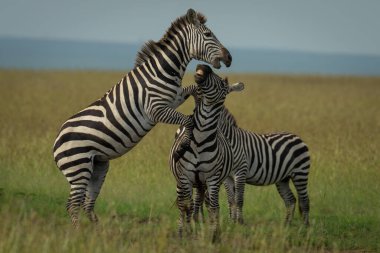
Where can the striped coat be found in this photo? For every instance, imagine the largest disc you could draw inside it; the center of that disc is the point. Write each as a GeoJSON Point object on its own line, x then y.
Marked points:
{"type": "Point", "coordinates": [147, 95]}
{"type": "Point", "coordinates": [264, 159]}
{"type": "Point", "coordinates": [208, 159]}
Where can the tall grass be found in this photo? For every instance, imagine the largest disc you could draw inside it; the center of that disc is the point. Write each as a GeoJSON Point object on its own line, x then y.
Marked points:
{"type": "Point", "coordinates": [338, 117]}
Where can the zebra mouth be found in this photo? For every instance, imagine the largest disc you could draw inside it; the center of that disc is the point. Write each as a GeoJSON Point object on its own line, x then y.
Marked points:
{"type": "Point", "coordinates": [216, 64]}
{"type": "Point", "coordinates": [225, 57]}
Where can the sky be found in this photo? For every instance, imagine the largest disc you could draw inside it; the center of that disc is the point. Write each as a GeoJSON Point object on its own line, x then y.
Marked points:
{"type": "Point", "coordinates": [327, 26]}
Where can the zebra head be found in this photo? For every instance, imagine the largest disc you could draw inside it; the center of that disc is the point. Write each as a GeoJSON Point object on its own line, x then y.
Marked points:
{"type": "Point", "coordinates": [214, 88]}
{"type": "Point", "coordinates": [204, 45]}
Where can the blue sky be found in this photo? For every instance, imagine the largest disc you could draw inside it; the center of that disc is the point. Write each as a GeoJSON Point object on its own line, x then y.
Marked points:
{"type": "Point", "coordinates": [339, 26]}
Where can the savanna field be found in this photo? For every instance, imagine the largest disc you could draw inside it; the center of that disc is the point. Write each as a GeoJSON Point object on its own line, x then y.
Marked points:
{"type": "Point", "coordinates": [338, 117]}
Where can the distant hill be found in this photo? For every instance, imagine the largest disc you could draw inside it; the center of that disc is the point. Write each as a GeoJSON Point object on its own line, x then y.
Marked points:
{"type": "Point", "coordinates": [57, 54]}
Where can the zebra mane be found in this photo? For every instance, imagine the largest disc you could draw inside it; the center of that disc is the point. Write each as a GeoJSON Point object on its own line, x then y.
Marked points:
{"type": "Point", "coordinates": [146, 51]}
{"type": "Point", "coordinates": [150, 47]}
{"type": "Point", "coordinates": [226, 116]}
{"type": "Point", "coordinates": [229, 118]}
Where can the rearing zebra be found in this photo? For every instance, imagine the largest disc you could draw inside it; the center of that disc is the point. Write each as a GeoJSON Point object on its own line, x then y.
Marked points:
{"type": "Point", "coordinates": [114, 124]}
{"type": "Point", "coordinates": [263, 159]}
{"type": "Point", "coordinates": [209, 158]}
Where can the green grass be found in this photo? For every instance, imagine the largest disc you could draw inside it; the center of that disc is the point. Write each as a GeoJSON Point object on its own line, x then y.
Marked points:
{"type": "Point", "coordinates": [338, 117]}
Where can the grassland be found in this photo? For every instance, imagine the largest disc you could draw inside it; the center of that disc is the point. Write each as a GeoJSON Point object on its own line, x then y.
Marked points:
{"type": "Point", "coordinates": [338, 117]}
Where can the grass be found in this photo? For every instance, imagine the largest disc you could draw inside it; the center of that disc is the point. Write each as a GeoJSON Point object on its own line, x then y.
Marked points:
{"type": "Point", "coordinates": [338, 117]}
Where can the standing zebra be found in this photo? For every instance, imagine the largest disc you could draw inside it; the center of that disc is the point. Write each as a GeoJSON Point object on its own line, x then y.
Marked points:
{"type": "Point", "coordinates": [263, 159]}
{"type": "Point", "coordinates": [208, 159]}
{"type": "Point", "coordinates": [114, 124]}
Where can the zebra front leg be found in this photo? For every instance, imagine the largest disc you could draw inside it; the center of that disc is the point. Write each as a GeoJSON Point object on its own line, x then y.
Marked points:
{"type": "Point", "coordinates": [185, 207]}
{"type": "Point", "coordinates": [198, 204]}
{"type": "Point", "coordinates": [184, 222]}
{"type": "Point", "coordinates": [213, 210]}
{"type": "Point", "coordinates": [186, 92]}
{"type": "Point", "coordinates": [165, 114]}
{"type": "Point", "coordinates": [240, 180]}
{"type": "Point", "coordinates": [229, 185]}
{"type": "Point", "coordinates": [93, 188]}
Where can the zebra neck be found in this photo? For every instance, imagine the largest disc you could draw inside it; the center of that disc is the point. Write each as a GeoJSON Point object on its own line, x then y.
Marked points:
{"type": "Point", "coordinates": [227, 122]}
{"type": "Point", "coordinates": [227, 129]}
{"type": "Point", "coordinates": [178, 43]}
{"type": "Point", "coordinates": [206, 119]}
{"type": "Point", "coordinates": [171, 60]}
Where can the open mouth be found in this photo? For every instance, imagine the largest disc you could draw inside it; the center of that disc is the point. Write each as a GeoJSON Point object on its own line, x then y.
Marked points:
{"type": "Point", "coordinates": [216, 64]}
{"type": "Point", "coordinates": [226, 58]}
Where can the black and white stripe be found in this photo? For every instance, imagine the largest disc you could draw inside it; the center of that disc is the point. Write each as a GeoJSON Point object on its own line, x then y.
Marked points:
{"type": "Point", "coordinates": [208, 159]}
{"type": "Point", "coordinates": [148, 94]}
{"type": "Point", "coordinates": [265, 159]}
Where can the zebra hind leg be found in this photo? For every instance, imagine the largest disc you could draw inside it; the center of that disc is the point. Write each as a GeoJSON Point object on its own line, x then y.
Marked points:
{"type": "Point", "coordinates": [100, 169]}
{"type": "Point", "coordinates": [289, 199]}
{"type": "Point", "coordinates": [78, 181]}
{"type": "Point", "coordinates": [300, 183]}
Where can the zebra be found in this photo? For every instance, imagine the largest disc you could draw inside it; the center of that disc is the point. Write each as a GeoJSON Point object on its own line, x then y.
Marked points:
{"type": "Point", "coordinates": [263, 159]}
{"type": "Point", "coordinates": [148, 94]}
{"type": "Point", "coordinates": [208, 159]}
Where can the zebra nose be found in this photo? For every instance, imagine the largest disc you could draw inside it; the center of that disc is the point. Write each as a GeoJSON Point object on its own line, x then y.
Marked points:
{"type": "Point", "coordinates": [227, 58]}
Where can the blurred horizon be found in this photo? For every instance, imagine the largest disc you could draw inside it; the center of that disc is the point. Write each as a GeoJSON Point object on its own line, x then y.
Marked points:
{"type": "Point", "coordinates": [295, 36]}
{"type": "Point", "coordinates": [53, 54]}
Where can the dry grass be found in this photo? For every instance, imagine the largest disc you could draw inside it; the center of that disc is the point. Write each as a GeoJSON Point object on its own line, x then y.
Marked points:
{"type": "Point", "coordinates": [338, 117]}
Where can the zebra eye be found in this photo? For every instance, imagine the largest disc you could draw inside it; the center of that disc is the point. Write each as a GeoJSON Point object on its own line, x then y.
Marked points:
{"type": "Point", "coordinates": [207, 34]}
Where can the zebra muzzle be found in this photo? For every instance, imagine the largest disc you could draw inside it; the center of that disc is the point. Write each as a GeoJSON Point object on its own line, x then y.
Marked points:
{"type": "Point", "coordinates": [224, 57]}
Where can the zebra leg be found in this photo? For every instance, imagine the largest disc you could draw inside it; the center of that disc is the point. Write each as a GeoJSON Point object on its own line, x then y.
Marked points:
{"type": "Point", "coordinates": [94, 186]}
{"type": "Point", "coordinates": [207, 201]}
{"type": "Point", "coordinates": [185, 206]}
{"type": "Point", "coordinates": [300, 183]}
{"type": "Point", "coordinates": [78, 174]}
{"type": "Point", "coordinates": [189, 214]}
{"type": "Point", "coordinates": [229, 185]}
{"type": "Point", "coordinates": [288, 197]}
{"type": "Point", "coordinates": [75, 200]}
{"type": "Point", "coordinates": [198, 204]}
{"type": "Point", "coordinates": [190, 90]}
{"type": "Point", "coordinates": [167, 115]}
{"type": "Point", "coordinates": [213, 210]}
{"type": "Point", "coordinates": [240, 180]}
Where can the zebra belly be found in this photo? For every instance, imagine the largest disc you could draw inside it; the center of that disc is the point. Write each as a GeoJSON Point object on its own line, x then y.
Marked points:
{"type": "Point", "coordinates": [126, 144]}
{"type": "Point", "coordinates": [101, 139]}
{"type": "Point", "coordinates": [267, 174]}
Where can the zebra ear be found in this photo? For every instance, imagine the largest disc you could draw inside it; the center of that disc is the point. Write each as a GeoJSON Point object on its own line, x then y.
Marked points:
{"type": "Point", "coordinates": [236, 87]}
{"type": "Point", "coordinates": [192, 17]}
{"type": "Point", "coordinates": [201, 73]}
